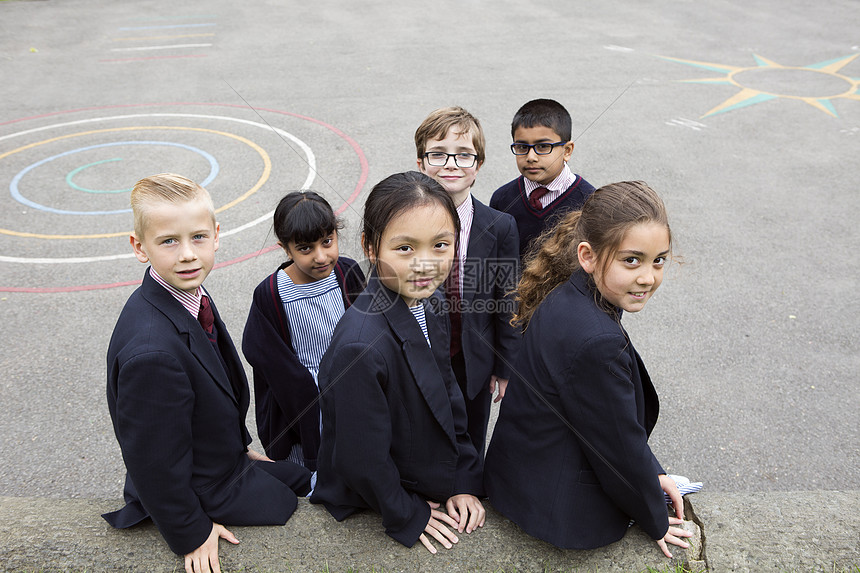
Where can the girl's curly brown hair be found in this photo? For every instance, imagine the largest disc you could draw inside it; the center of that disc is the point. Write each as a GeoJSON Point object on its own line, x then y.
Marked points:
{"type": "Point", "coordinates": [606, 215]}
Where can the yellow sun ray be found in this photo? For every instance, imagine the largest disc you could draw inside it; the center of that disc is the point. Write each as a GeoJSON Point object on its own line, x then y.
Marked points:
{"type": "Point", "coordinates": [706, 65]}
{"type": "Point", "coordinates": [824, 106]}
{"type": "Point", "coordinates": [837, 65]}
{"type": "Point", "coordinates": [767, 63]}
{"type": "Point", "coordinates": [743, 98]}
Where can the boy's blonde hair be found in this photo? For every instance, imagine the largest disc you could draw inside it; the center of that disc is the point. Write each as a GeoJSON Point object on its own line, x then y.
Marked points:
{"type": "Point", "coordinates": [438, 123]}
{"type": "Point", "coordinates": [164, 188]}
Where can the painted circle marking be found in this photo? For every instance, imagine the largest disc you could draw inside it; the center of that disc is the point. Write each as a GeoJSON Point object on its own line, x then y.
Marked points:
{"type": "Point", "coordinates": [16, 192]}
{"type": "Point", "coordinates": [267, 169]}
{"type": "Point", "coordinates": [71, 176]}
{"type": "Point", "coordinates": [311, 162]}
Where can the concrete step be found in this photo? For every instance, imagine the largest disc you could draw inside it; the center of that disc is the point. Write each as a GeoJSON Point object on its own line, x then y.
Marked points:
{"type": "Point", "coordinates": [800, 531]}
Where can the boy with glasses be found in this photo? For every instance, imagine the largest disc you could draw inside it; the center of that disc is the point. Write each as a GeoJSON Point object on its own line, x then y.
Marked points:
{"type": "Point", "coordinates": [450, 149]}
{"type": "Point", "coordinates": [547, 189]}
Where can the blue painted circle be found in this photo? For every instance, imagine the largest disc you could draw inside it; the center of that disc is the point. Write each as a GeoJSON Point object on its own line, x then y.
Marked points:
{"type": "Point", "coordinates": [13, 186]}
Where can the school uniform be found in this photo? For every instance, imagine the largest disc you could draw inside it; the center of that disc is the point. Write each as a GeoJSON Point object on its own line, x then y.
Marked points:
{"type": "Point", "coordinates": [178, 411]}
{"type": "Point", "coordinates": [568, 192]}
{"type": "Point", "coordinates": [484, 341]}
{"type": "Point", "coordinates": [569, 461]}
{"type": "Point", "coordinates": [394, 423]}
{"type": "Point", "coordinates": [285, 393]}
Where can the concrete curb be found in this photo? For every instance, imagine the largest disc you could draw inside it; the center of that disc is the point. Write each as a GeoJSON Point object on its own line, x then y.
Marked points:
{"type": "Point", "coordinates": [780, 531]}
{"type": "Point", "coordinates": [743, 532]}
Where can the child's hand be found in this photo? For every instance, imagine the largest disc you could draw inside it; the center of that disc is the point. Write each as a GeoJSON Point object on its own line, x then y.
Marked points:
{"type": "Point", "coordinates": [672, 536]}
{"type": "Point", "coordinates": [255, 456]}
{"type": "Point", "coordinates": [436, 528]}
{"type": "Point", "coordinates": [204, 559]}
{"type": "Point", "coordinates": [669, 486]}
{"type": "Point", "coordinates": [463, 506]}
{"type": "Point", "coordinates": [503, 385]}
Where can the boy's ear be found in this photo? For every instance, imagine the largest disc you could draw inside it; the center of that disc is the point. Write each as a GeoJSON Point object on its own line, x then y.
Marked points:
{"type": "Point", "coordinates": [217, 234]}
{"type": "Point", "coordinates": [420, 162]}
{"type": "Point", "coordinates": [586, 256]}
{"type": "Point", "coordinates": [137, 247]}
{"type": "Point", "coordinates": [568, 150]}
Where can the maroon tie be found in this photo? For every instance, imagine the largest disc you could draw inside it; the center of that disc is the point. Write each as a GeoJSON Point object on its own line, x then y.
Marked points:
{"type": "Point", "coordinates": [534, 198]}
{"type": "Point", "coordinates": [205, 316]}
{"type": "Point", "coordinates": [452, 289]}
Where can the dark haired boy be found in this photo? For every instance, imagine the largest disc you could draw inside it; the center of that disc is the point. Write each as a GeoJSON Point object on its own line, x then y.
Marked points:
{"type": "Point", "coordinates": [547, 188]}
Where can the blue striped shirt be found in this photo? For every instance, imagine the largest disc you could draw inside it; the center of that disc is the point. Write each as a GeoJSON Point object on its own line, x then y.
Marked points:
{"type": "Point", "coordinates": [313, 310]}
{"type": "Point", "coordinates": [418, 313]}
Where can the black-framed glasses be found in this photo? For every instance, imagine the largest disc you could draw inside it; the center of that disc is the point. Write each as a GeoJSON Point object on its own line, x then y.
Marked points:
{"type": "Point", "coordinates": [440, 159]}
{"type": "Point", "coordinates": [540, 148]}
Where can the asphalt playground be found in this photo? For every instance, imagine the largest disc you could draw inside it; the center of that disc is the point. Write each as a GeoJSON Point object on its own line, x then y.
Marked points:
{"type": "Point", "coordinates": [744, 116]}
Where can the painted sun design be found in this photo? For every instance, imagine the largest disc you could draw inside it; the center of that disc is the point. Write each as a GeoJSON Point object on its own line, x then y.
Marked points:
{"type": "Point", "coordinates": [815, 84]}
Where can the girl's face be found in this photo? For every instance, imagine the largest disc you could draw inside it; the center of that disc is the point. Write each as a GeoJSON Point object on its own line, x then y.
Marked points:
{"type": "Point", "coordinates": [634, 271]}
{"type": "Point", "coordinates": [311, 261]}
{"type": "Point", "coordinates": [415, 252]}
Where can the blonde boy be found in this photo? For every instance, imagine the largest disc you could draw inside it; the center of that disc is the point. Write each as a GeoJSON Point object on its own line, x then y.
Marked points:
{"type": "Point", "coordinates": [177, 392]}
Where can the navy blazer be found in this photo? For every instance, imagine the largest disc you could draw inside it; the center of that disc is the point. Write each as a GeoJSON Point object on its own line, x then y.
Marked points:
{"type": "Point", "coordinates": [394, 421]}
{"type": "Point", "coordinates": [490, 275]}
{"type": "Point", "coordinates": [181, 425]}
{"type": "Point", "coordinates": [569, 461]}
{"type": "Point", "coordinates": [285, 394]}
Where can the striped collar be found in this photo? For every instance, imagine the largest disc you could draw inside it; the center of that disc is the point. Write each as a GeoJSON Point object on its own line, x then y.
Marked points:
{"type": "Point", "coordinates": [466, 212]}
{"type": "Point", "coordinates": [191, 302]}
{"type": "Point", "coordinates": [560, 184]}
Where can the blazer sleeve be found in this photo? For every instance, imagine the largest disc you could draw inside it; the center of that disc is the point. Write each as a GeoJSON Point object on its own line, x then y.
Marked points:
{"type": "Point", "coordinates": [507, 271]}
{"type": "Point", "coordinates": [276, 365]}
{"type": "Point", "coordinates": [599, 399]}
{"type": "Point", "coordinates": [363, 438]}
{"type": "Point", "coordinates": [154, 410]}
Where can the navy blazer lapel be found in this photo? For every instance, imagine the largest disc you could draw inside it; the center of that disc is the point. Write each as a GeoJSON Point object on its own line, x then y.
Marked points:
{"type": "Point", "coordinates": [239, 391]}
{"type": "Point", "coordinates": [198, 342]}
{"type": "Point", "coordinates": [418, 355]}
{"type": "Point", "coordinates": [481, 243]}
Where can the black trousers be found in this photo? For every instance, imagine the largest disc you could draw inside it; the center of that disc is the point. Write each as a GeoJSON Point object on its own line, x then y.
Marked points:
{"type": "Point", "coordinates": [293, 475]}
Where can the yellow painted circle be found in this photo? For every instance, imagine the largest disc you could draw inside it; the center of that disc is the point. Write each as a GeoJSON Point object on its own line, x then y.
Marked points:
{"type": "Point", "coordinates": [267, 170]}
{"type": "Point", "coordinates": [848, 92]}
